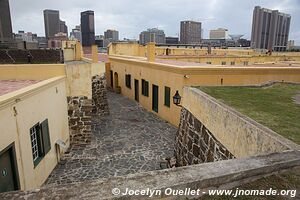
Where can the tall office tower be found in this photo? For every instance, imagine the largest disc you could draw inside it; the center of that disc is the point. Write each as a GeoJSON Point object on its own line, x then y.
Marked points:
{"type": "Point", "coordinates": [270, 29]}
{"type": "Point", "coordinates": [87, 28]}
{"type": "Point", "coordinates": [63, 28]}
{"type": "Point", "coordinates": [153, 35]}
{"type": "Point", "coordinates": [5, 22]}
{"type": "Point", "coordinates": [220, 33]}
{"type": "Point", "coordinates": [190, 32]}
{"type": "Point", "coordinates": [51, 21]}
{"type": "Point", "coordinates": [113, 35]}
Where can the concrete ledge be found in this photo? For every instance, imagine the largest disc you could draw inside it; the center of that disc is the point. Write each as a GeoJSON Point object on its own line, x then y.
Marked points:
{"type": "Point", "coordinates": [223, 174]}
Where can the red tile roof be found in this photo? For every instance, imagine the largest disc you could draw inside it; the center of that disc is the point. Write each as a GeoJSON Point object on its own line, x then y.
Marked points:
{"type": "Point", "coordinates": [7, 86]}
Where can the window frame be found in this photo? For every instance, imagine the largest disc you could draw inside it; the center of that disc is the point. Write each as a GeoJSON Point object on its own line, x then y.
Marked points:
{"type": "Point", "coordinates": [167, 103]}
{"type": "Point", "coordinates": [37, 140]}
{"type": "Point", "coordinates": [145, 88]}
{"type": "Point", "coordinates": [128, 80]}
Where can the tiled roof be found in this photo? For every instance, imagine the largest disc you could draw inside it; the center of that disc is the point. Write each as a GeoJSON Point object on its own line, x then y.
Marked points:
{"type": "Point", "coordinates": [7, 86]}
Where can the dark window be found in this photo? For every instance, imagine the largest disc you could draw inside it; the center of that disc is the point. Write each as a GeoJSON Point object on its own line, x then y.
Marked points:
{"type": "Point", "coordinates": [167, 96]}
{"type": "Point", "coordinates": [246, 62]}
{"type": "Point", "coordinates": [232, 63]}
{"type": "Point", "coordinates": [40, 141]}
{"type": "Point", "coordinates": [209, 63]}
{"type": "Point", "coordinates": [128, 80]}
{"type": "Point", "coordinates": [223, 63]}
{"type": "Point", "coordinates": [145, 88]}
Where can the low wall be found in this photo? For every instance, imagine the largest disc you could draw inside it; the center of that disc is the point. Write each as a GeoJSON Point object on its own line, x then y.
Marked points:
{"type": "Point", "coordinates": [241, 135]}
{"type": "Point", "coordinates": [35, 56]}
{"type": "Point", "coordinates": [225, 174]}
{"type": "Point", "coordinates": [196, 144]}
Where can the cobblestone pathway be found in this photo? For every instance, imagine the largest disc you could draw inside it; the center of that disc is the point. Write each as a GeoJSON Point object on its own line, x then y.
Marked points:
{"type": "Point", "coordinates": [129, 140]}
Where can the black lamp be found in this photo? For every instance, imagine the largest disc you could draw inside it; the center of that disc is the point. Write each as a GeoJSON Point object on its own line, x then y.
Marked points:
{"type": "Point", "coordinates": [177, 98]}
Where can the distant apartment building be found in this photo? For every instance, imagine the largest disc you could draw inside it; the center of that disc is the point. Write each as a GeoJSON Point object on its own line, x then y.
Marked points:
{"type": "Point", "coordinates": [220, 33]}
{"type": "Point", "coordinates": [190, 32]}
{"type": "Point", "coordinates": [56, 41]}
{"type": "Point", "coordinates": [153, 35]}
{"type": "Point", "coordinates": [52, 22]}
{"type": "Point", "coordinates": [76, 33]}
{"type": "Point", "coordinates": [270, 29]}
{"type": "Point", "coordinates": [113, 35]}
{"type": "Point", "coordinates": [172, 40]}
{"type": "Point", "coordinates": [63, 28]}
{"type": "Point", "coordinates": [5, 22]}
{"type": "Point", "coordinates": [87, 28]}
{"type": "Point", "coordinates": [26, 40]}
{"type": "Point", "coordinates": [290, 45]}
{"type": "Point", "coordinates": [99, 40]}
{"type": "Point", "coordinates": [110, 36]}
{"type": "Point", "coordinates": [42, 42]}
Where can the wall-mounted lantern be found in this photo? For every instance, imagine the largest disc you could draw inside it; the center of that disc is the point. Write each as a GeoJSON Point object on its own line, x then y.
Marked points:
{"type": "Point", "coordinates": [177, 99]}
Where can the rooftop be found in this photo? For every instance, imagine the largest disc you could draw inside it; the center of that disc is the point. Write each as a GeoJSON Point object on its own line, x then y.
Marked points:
{"type": "Point", "coordinates": [8, 86]}
{"type": "Point", "coordinates": [275, 106]}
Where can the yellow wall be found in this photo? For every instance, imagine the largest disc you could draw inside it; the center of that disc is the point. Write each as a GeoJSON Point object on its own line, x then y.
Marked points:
{"type": "Point", "coordinates": [31, 71]}
{"type": "Point", "coordinates": [239, 60]}
{"type": "Point", "coordinates": [79, 79]}
{"type": "Point", "coordinates": [44, 100]}
{"type": "Point", "coordinates": [176, 77]}
{"type": "Point", "coordinates": [239, 56]}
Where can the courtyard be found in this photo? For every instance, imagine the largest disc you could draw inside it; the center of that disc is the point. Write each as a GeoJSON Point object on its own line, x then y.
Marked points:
{"type": "Point", "coordinates": [127, 141]}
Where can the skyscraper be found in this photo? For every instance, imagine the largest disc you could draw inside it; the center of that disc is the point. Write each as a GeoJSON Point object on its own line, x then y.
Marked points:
{"type": "Point", "coordinates": [52, 22]}
{"type": "Point", "coordinates": [88, 28]}
{"type": "Point", "coordinates": [270, 29]}
{"type": "Point", "coordinates": [5, 22]}
{"type": "Point", "coordinates": [190, 32]}
{"type": "Point", "coordinates": [63, 28]}
{"type": "Point", "coordinates": [153, 35]}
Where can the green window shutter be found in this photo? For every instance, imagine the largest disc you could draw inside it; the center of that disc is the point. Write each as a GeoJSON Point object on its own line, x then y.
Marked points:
{"type": "Point", "coordinates": [146, 88]}
{"type": "Point", "coordinates": [167, 96]}
{"type": "Point", "coordinates": [126, 80]}
{"type": "Point", "coordinates": [143, 87]}
{"type": "Point", "coordinates": [45, 136]}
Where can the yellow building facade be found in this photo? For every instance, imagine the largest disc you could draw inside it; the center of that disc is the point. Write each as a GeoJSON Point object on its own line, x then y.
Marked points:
{"type": "Point", "coordinates": [132, 74]}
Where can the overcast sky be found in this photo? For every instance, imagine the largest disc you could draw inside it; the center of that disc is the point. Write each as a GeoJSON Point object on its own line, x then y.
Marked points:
{"type": "Point", "coordinates": [130, 17]}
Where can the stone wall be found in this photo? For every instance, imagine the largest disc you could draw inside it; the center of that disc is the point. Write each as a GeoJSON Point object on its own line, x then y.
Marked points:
{"type": "Point", "coordinates": [99, 96]}
{"type": "Point", "coordinates": [80, 119]}
{"type": "Point", "coordinates": [196, 144]}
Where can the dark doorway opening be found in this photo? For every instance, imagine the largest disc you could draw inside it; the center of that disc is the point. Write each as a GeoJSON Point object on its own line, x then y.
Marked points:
{"type": "Point", "coordinates": [155, 98]}
{"type": "Point", "coordinates": [136, 90]}
{"type": "Point", "coordinates": [9, 179]}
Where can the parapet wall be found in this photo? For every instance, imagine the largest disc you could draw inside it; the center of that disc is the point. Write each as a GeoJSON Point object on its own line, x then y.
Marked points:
{"type": "Point", "coordinates": [241, 135]}
{"type": "Point", "coordinates": [219, 175]}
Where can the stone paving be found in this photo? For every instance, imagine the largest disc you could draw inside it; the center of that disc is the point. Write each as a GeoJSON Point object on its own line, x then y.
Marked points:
{"type": "Point", "coordinates": [129, 140]}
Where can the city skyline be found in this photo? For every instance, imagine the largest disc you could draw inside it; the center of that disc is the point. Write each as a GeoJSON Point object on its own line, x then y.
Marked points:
{"type": "Point", "coordinates": [166, 15]}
